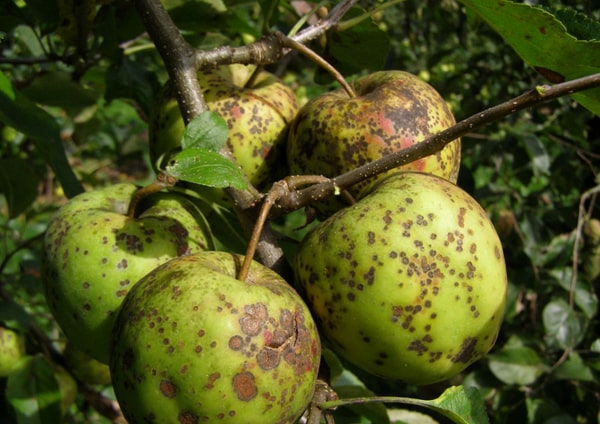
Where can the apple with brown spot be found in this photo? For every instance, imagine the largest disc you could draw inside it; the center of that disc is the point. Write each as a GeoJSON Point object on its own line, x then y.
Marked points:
{"type": "Point", "coordinates": [257, 110]}
{"type": "Point", "coordinates": [335, 133]}
{"type": "Point", "coordinates": [94, 253]}
{"type": "Point", "coordinates": [410, 282]}
{"type": "Point", "coordinates": [194, 344]}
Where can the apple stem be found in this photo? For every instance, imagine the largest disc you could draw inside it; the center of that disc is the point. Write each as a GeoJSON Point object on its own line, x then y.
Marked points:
{"type": "Point", "coordinates": [299, 47]}
{"type": "Point", "coordinates": [162, 181]}
{"type": "Point", "coordinates": [278, 190]}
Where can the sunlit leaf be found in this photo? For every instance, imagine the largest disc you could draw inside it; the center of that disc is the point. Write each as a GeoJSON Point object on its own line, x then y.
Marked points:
{"type": "Point", "coordinates": [466, 403]}
{"type": "Point", "coordinates": [206, 131]}
{"type": "Point", "coordinates": [206, 167]}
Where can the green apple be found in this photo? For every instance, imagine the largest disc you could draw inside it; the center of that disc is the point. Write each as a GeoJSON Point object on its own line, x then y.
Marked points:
{"type": "Point", "coordinates": [257, 112]}
{"type": "Point", "coordinates": [94, 253]}
{"type": "Point", "coordinates": [12, 350]}
{"type": "Point", "coordinates": [335, 133]}
{"type": "Point", "coordinates": [85, 368]}
{"type": "Point", "coordinates": [409, 283]}
{"type": "Point", "coordinates": [194, 344]}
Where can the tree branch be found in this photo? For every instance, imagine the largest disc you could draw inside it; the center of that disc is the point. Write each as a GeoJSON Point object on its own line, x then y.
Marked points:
{"type": "Point", "coordinates": [271, 48]}
{"type": "Point", "coordinates": [431, 145]}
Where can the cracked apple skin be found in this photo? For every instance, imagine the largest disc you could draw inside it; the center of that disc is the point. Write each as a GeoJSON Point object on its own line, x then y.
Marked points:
{"type": "Point", "coordinates": [410, 282]}
{"type": "Point", "coordinates": [94, 254]}
{"type": "Point", "coordinates": [258, 116]}
{"type": "Point", "coordinates": [334, 133]}
{"type": "Point", "coordinates": [194, 344]}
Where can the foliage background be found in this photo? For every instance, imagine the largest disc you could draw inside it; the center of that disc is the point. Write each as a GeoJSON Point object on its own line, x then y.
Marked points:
{"type": "Point", "coordinates": [530, 171]}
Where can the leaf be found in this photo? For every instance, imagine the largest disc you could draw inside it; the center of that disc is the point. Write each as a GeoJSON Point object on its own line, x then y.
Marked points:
{"type": "Point", "coordinates": [206, 167]}
{"type": "Point", "coordinates": [34, 393]}
{"type": "Point", "coordinates": [358, 47]}
{"type": "Point", "coordinates": [207, 131]}
{"type": "Point", "coordinates": [465, 403]}
{"type": "Point", "coordinates": [544, 43]}
{"type": "Point", "coordinates": [131, 80]}
{"type": "Point", "coordinates": [19, 112]}
{"type": "Point", "coordinates": [564, 326]}
{"type": "Point", "coordinates": [18, 183]}
{"type": "Point", "coordinates": [58, 89]}
{"type": "Point", "coordinates": [516, 365]}
{"type": "Point", "coordinates": [574, 369]}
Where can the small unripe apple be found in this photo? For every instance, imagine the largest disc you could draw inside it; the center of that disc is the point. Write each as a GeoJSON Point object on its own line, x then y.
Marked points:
{"type": "Point", "coordinates": [409, 283]}
{"type": "Point", "coordinates": [94, 253]}
{"type": "Point", "coordinates": [194, 344]}
{"type": "Point", "coordinates": [335, 133]}
{"type": "Point", "coordinates": [85, 368]}
{"type": "Point", "coordinates": [257, 113]}
{"type": "Point", "coordinates": [12, 350]}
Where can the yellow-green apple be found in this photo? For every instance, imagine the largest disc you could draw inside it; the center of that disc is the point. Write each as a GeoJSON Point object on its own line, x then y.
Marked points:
{"type": "Point", "coordinates": [192, 343]}
{"type": "Point", "coordinates": [335, 133]}
{"type": "Point", "coordinates": [257, 109]}
{"type": "Point", "coordinates": [409, 283]}
{"type": "Point", "coordinates": [94, 253]}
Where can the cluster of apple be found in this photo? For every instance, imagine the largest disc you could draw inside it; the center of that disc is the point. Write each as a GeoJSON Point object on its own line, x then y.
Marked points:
{"type": "Point", "coordinates": [407, 283]}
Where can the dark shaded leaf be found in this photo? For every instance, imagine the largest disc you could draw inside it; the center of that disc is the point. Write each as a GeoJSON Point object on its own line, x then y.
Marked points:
{"type": "Point", "coordinates": [18, 183]}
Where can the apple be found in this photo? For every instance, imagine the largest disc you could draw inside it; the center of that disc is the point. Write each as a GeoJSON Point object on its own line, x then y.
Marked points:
{"type": "Point", "coordinates": [12, 350]}
{"type": "Point", "coordinates": [335, 133]}
{"type": "Point", "coordinates": [194, 344]}
{"type": "Point", "coordinates": [85, 368]}
{"type": "Point", "coordinates": [257, 112]}
{"type": "Point", "coordinates": [409, 283]}
{"type": "Point", "coordinates": [94, 253]}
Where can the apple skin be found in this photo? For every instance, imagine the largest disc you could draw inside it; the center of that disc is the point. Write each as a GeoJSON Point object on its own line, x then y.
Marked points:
{"type": "Point", "coordinates": [257, 116]}
{"type": "Point", "coordinates": [334, 133]}
{"type": "Point", "coordinates": [94, 254]}
{"type": "Point", "coordinates": [12, 350]}
{"type": "Point", "coordinates": [194, 344]}
{"type": "Point", "coordinates": [409, 283]}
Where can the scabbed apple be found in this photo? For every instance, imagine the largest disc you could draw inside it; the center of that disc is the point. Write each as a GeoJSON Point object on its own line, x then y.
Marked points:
{"type": "Point", "coordinates": [12, 350]}
{"type": "Point", "coordinates": [409, 283]}
{"type": "Point", "coordinates": [94, 253]}
{"type": "Point", "coordinates": [257, 112]}
{"type": "Point", "coordinates": [194, 344]}
{"type": "Point", "coordinates": [334, 133]}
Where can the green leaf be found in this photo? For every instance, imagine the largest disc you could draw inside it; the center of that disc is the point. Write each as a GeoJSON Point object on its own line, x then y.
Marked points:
{"type": "Point", "coordinates": [206, 131]}
{"type": "Point", "coordinates": [58, 89]}
{"type": "Point", "coordinates": [544, 43]}
{"type": "Point", "coordinates": [206, 167]}
{"type": "Point", "coordinates": [466, 403]}
{"type": "Point", "coordinates": [574, 369]}
{"type": "Point", "coordinates": [358, 47]}
{"type": "Point", "coordinates": [131, 80]}
{"type": "Point", "coordinates": [18, 183]}
{"type": "Point", "coordinates": [19, 112]}
{"type": "Point", "coordinates": [564, 326]}
{"type": "Point", "coordinates": [516, 365]}
{"type": "Point", "coordinates": [34, 393]}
